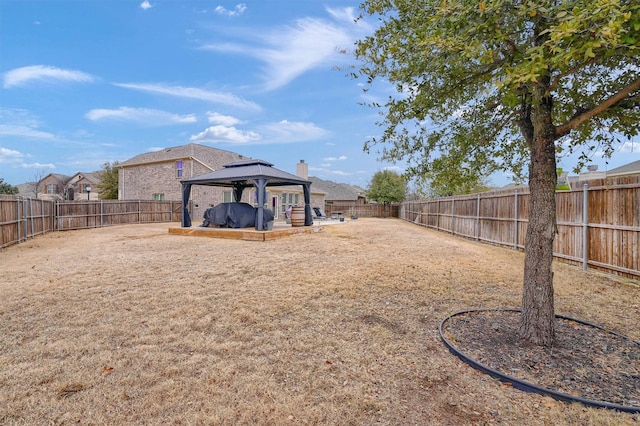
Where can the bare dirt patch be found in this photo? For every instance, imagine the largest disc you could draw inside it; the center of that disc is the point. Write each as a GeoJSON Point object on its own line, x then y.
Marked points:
{"type": "Point", "coordinates": [131, 325]}
{"type": "Point", "coordinates": [585, 361]}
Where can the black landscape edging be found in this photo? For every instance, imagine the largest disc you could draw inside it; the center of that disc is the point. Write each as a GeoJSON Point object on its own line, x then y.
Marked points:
{"type": "Point", "coordinates": [530, 387]}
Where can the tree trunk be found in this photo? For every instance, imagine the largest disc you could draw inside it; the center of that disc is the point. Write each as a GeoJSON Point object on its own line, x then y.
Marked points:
{"type": "Point", "coordinates": [537, 319]}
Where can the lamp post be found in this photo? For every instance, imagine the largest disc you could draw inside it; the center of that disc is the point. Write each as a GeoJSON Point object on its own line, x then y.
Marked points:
{"type": "Point", "coordinates": [88, 193]}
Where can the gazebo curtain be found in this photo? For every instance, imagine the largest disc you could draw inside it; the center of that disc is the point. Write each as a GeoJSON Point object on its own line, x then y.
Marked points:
{"type": "Point", "coordinates": [186, 193]}
{"type": "Point", "coordinates": [238, 189]}
{"type": "Point", "coordinates": [308, 219]}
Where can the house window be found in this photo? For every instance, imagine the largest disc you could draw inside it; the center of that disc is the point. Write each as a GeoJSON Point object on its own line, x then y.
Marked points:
{"type": "Point", "coordinates": [158, 197]}
{"type": "Point", "coordinates": [179, 168]}
{"type": "Point", "coordinates": [52, 188]}
{"type": "Point", "coordinates": [297, 199]}
{"type": "Point", "coordinates": [227, 197]}
{"type": "Point", "coordinates": [84, 187]}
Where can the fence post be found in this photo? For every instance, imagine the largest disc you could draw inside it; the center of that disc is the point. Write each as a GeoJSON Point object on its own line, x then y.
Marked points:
{"type": "Point", "coordinates": [453, 218]}
{"type": "Point", "coordinates": [26, 219]}
{"type": "Point", "coordinates": [585, 226]}
{"type": "Point", "coordinates": [18, 217]}
{"type": "Point", "coordinates": [515, 220]}
{"type": "Point", "coordinates": [101, 213]}
{"type": "Point", "coordinates": [31, 215]}
{"type": "Point", "coordinates": [52, 205]}
{"type": "Point", "coordinates": [478, 219]}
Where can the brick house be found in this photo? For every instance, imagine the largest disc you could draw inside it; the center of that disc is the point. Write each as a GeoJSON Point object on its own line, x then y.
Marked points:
{"type": "Point", "coordinates": [158, 175]}
{"type": "Point", "coordinates": [80, 186]}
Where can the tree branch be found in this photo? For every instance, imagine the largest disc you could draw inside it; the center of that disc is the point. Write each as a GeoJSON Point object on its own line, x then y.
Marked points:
{"type": "Point", "coordinates": [603, 106]}
{"type": "Point", "coordinates": [559, 77]}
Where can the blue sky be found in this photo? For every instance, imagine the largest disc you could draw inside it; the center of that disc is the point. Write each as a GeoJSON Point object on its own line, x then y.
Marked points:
{"type": "Point", "coordinates": [86, 82]}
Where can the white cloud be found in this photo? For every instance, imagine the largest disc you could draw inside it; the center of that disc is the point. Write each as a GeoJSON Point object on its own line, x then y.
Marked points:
{"type": "Point", "coordinates": [225, 120]}
{"type": "Point", "coordinates": [292, 50]}
{"type": "Point", "coordinates": [294, 131]}
{"type": "Point", "coordinates": [9, 155]}
{"type": "Point", "coordinates": [23, 131]}
{"type": "Point", "coordinates": [192, 93]}
{"type": "Point", "coordinates": [341, 158]}
{"type": "Point", "coordinates": [21, 76]}
{"type": "Point", "coordinates": [238, 10]}
{"type": "Point", "coordinates": [345, 14]}
{"type": "Point", "coordinates": [226, 134]}
{"type": "Point", "coordinates": [150, 117]}
{"type": "Point", "coordinates": [146, 5]}
{"type": "Point", "coordinates": [37, 166]}
{"type": "Point", "coordinates": [16, 159]}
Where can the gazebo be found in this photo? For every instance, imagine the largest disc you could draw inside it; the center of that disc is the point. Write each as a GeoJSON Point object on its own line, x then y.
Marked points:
{"type": "Point", "coordinates": [243, 174]}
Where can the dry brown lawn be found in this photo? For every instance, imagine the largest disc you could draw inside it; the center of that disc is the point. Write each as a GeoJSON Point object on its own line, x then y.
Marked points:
{"type": "Point", "coordinates": [131, 325]}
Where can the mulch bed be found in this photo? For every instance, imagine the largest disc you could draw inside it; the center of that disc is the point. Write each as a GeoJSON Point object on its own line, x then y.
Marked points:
{"type": "Point", "coordinates": [585, 362]}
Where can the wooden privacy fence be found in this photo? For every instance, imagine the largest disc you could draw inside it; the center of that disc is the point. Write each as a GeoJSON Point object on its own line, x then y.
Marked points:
{"type": "Point", "coordinates": [598, 223]}
{"type": "Point", "coordinates": [22, 218]}
{"type": "Point", "coordinates": [349, 208]}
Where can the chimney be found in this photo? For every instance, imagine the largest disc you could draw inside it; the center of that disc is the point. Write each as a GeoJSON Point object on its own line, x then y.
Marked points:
{"type": "Point", "coordinates": [302, 169]}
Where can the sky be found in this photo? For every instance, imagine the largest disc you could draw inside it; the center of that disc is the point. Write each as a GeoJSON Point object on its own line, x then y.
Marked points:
{"type": "Point", "coordinates": [84, 82]}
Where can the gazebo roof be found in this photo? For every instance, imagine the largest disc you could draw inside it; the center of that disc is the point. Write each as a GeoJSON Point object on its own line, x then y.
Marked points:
{"type": "Point", "coordinates": [244, 173]}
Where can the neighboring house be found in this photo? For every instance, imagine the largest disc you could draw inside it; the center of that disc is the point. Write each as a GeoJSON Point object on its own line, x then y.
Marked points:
{"type": "Point", "coordinates": [158, 175]}
{"type": "Point", "coordinates": [291, 196]}
{"type": "Point", "coordinates": [630, 169]}
{"type": "Point", "coordinates": [55, 186]}
{"type": "Point", "coordinates": [83, 186]}
{"type": "Point", "coordinates": [339, 192]}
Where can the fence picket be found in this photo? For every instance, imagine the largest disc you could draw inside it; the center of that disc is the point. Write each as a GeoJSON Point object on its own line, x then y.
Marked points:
{"type": "Point", "coordinates": [598, 225]}
{"type": "Point", "coordinates": [22, 218]}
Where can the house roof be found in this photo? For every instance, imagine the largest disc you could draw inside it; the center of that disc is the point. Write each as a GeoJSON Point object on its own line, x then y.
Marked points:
{"type": "Point", "coordinates": [337, 191]}
{"type": "Point", "coordinates": [59, 177]}
{"type": "Point", "coordinates": [627, 169]}
{"type": "Point", "coordinates": [244, 173]}
{"type": "Point", "coordinates": [90, 176]}
{"type": "Point", "coordinates": [191, 150]}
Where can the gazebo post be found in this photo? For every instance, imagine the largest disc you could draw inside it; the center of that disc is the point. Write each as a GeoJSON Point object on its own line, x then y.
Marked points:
{"type": "Point", "coordinates": [261, 185]}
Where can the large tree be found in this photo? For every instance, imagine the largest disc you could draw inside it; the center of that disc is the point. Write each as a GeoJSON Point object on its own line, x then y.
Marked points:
{"type": "Point", "coordinates": [108, 187]}
{"type": "Point", "coordinates": [439, 186]}
{"type": "Point", "coordinates": [387, 187]}
{"type": "Point", "coordinates": [6, 188]}
{"type": "Point", "coordinates": [506, 85]}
